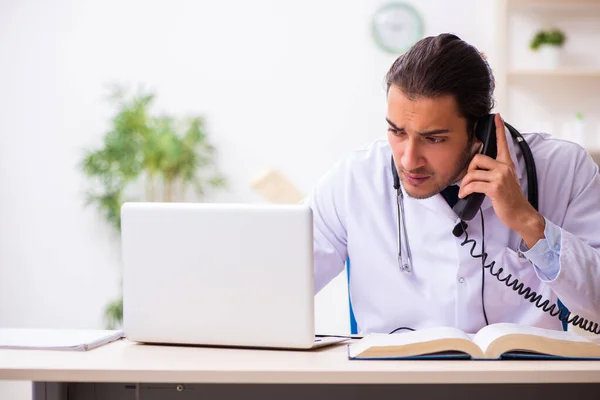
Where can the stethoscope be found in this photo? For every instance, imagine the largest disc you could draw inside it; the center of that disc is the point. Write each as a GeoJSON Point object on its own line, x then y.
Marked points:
{"type": "Point", "coordinates": [404, 255]}
{"type": "Point", "coordinates": [554, 309]}
{"type": "Point", "coordinates": [403, 248]}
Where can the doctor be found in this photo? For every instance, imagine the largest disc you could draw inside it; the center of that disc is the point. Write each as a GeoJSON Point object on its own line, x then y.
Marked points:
{"type": "Point", "coordinates": [408, 269]}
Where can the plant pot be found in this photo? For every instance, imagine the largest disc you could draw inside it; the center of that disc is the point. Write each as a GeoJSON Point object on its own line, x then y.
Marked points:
{"type": "Point", "coordinates": [549, 56]}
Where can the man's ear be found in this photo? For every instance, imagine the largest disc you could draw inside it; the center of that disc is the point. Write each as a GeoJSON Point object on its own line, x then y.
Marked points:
{"type": "Point", "coordinates": [476, 147]}
{"type": "Point", "coordinates": [474, 129]}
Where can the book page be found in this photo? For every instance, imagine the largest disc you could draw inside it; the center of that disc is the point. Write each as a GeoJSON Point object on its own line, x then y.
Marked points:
{"type": "Point", "coordinates": [406, 338]}
{"type": "Point", "coordinates": [490, 333]}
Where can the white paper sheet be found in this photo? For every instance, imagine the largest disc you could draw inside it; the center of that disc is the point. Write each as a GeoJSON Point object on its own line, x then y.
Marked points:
{"type": "Point", "coordinates": [56, 339]}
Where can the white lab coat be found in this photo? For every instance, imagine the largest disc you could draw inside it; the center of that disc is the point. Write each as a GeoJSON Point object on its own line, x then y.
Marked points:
{"type": "Point", "coordinates": [355, 217]}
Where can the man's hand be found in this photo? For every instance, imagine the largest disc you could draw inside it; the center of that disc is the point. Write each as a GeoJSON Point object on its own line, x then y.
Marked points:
{"type": "Point", "coordinates": [497, 179]}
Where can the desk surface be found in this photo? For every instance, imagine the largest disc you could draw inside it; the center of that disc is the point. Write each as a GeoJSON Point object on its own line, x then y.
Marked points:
{"type": "Point", "coordinates": [124, 361]}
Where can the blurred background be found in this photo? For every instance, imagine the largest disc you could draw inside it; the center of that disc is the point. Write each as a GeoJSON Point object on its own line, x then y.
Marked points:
{"type": "Point", "coordinates": [236, 101]}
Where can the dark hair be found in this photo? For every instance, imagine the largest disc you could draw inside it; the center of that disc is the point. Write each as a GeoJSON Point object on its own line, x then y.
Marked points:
{"type": "Point", "coordinates": [442, 65]}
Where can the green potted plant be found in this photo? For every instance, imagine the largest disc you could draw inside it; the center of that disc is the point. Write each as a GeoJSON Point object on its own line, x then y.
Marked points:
{"type": "Point", "coordinates": [547, 43]}
{"type": "Point", "coordinates": [147, 157]}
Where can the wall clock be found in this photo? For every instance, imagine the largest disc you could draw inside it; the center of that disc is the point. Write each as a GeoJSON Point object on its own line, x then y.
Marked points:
{"type": "Point", "coordinates": [396, 27]}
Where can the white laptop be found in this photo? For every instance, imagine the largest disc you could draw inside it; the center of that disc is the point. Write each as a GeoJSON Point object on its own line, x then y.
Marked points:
{"type": "Point", "coordinates": [219, 274]}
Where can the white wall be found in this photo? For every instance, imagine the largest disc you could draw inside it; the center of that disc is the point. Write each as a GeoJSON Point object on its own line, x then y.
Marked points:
{"type": "Point", "coordinates": [288, 85]}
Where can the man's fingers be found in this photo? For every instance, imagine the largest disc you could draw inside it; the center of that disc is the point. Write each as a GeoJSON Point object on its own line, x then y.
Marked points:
{"type": "Point", "coordinates": [481, 161]}
{"type": "Point", "coordinates": [476, 176]}
{"type": "Point", "coordinates": [503, 153]}
{"type": "Point", "coordinates": [475, 187]}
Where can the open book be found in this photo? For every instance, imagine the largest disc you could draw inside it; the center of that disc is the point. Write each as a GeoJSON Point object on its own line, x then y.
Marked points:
{"type": "Point", "coordinates": [496, 341]}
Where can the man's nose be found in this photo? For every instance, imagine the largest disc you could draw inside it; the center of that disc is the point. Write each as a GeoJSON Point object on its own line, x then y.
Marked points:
{"type": "Point", "coordinates": [411, 157]}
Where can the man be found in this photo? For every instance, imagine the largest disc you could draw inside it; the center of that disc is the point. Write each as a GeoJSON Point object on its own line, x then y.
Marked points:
{"type": "Point", "coordinates": [436, 92]}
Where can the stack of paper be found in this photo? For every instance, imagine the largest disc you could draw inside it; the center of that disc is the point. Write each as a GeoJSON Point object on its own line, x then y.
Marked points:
{"type": "Point", "coordinates": [56, 339]}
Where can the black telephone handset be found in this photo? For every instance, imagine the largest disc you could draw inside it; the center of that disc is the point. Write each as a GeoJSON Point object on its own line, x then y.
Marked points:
{"type": "Point", "coordinates": [468, 207]}
{"type": "Point", "coordinates": [485, 131]}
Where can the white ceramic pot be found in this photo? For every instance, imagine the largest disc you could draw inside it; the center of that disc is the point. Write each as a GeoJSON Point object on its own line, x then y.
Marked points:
{"type": "Point", "coordinates": [548, 56]}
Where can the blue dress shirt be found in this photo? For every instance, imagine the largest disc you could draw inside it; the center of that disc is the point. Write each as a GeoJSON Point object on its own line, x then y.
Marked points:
{"type": "Point", "coordinates": [545, 254]}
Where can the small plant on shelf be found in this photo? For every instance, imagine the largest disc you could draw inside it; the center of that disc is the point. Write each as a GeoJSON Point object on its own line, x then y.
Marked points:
{"type": "Point", "coordinates": [552, 37]}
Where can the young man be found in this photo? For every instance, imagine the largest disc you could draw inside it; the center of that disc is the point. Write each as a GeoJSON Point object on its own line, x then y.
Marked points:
{"type": "Point", "coordinates": [436, 92]}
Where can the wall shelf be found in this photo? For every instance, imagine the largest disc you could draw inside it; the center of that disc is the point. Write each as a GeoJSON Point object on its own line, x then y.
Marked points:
{"type": "Point", "coordinates": [553, 1]}
{"type": "Point", "coordinates": [557, 4]}
{"type": "Point", "coordinates": [539, 99]}
{"type": "Point", "coordinates": [561, 72]}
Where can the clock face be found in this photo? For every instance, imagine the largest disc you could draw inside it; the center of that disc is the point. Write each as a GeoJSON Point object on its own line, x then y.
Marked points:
{"type": "Point", "coordinates": [396, 27]}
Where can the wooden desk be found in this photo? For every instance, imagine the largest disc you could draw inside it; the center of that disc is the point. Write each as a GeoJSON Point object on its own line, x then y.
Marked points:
{"type": "Point", "coordinates": [125, 370]}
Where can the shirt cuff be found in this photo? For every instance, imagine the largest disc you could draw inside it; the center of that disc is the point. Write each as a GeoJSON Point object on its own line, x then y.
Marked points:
{"type": "Point", "coordinates": [545, 254]}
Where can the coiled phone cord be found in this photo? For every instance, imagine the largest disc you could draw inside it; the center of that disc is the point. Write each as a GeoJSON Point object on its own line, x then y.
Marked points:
{"type": "Point", "coordinates": [563, 313]}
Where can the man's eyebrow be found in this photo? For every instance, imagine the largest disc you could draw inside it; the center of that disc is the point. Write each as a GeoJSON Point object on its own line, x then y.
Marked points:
{"type": "Point", "coordinates": [426, 133]}
{"type": "Point", "coordinates": [434, 132]}
{"type": "Point", "coordinates": [393, 125]}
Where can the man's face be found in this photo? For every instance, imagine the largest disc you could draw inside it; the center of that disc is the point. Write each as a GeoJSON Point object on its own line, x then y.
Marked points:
{"type": "Point", "coordinates": [429, 141]}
